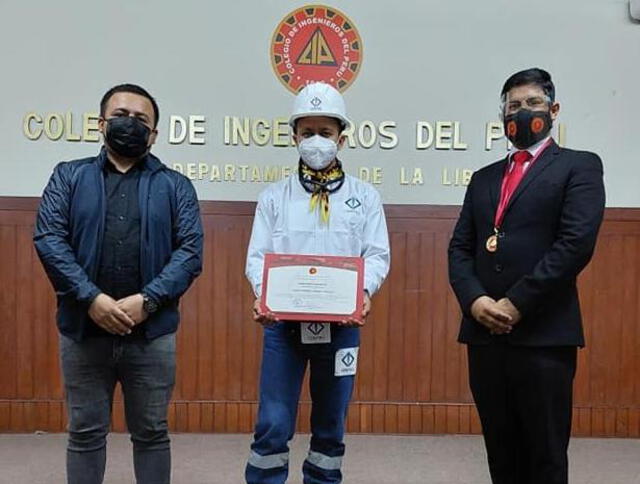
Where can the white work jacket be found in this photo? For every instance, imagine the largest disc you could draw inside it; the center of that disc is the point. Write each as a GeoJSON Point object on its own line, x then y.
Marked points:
{"type": "Point", "coordinates": [357, 227]}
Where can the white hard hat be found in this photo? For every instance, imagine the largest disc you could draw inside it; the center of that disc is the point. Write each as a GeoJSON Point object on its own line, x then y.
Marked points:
{"type": "Point", "coordinates": [319, 99]}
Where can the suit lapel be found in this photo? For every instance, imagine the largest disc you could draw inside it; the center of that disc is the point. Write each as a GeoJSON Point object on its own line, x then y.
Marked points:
{"type": "Point", "coordinates": [535, 170]}
{"type": "Point", "coordinates": [496, 184]}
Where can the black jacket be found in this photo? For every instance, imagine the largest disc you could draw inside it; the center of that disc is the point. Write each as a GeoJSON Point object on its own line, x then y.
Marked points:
{"type": "Point", "coordinates": [547, 237]}
{"type": "Point", "coordinates": [69, 234]}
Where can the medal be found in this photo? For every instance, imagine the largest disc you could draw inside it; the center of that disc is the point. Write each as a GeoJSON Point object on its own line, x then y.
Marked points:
{"type": "Point", "coordinates": [492, 243]}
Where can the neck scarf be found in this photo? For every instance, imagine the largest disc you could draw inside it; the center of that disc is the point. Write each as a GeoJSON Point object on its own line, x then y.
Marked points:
{"type": "Point", "coordinates": [320, 184]}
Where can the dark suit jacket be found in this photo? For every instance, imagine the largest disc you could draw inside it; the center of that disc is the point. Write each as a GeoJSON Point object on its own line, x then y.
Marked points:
{"type": "Point", "coordinates": [547, 237]}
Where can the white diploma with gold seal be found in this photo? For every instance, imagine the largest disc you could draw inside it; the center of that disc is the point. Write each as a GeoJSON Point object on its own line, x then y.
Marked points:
{"type": "Point", "coordinates": [312, 288]}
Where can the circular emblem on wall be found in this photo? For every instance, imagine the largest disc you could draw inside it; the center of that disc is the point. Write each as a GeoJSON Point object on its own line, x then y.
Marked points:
{"type": "Point", "coordinates": [316, 43]}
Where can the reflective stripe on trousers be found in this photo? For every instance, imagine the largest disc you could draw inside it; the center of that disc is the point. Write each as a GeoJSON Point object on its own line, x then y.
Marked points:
{"type": "Point", "coordinates": [268, 461]}
{"type": "Point", "coordinates": [324, 461]}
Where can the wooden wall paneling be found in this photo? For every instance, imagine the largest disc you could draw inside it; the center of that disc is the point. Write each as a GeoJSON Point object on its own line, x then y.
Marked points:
{"type": "Point", "coordinates": [629, 350]}
{"type": "Point", "coordinates": [304, 416]}
{"type": "Point", "coordinates": [205, 322]}
{"type": "Point", "coordinates": [439, 341]}
{"type": "Point", "coordinates": [117, 416]}
{"type": "Point", "coordinates": [634, 423]}
{"type": "Point", "coordinates": [366, 417]}
{"type": "Point", "coordinates": [220, 417]}
{"type": "Point", "coordinates": [409, 357]}
{"type": "Point", "coordinates": [636, 366]}
{"type": "Point", "coordinates": [187, 347]}
{"type": "Point", "coordinates": [252, 337]}
{"type": "Point", "coordinates": [428, 419]}
{"type": "Point", "coordinates": [611, 323]}
{"type": "Point", "coordinates": [235, 314]}
{"type": "Point", "coordinates": [5, 416]}
{"type": "Point", "coordinates": [45, 368]}
{"type": "Point", "coordinates": [600, 342]}
{"type": "Point", "coordinates": [382, 311]}
{"type": "Point", "coordinates": [362, 390]}
{"type": "Point", "coordinates": [476, 425]}
{"type": "Point", "coordinates": [25, 354]}
{"type": "Point", "coordinates": [378, 418]}
{"type": "Point", "coordinates": [582, 381]}
{"type": "Point", "coordinates": [464, 419]}
{"type": "Point", "coordinates": [424, 369]}
{"type": "Point", "coordinates": [396, 371]}
{"type": "Point", "coordinates": [390, 418]}
{"type": "Point", "coordinates": [412, 374]}
{"type": "Point", "coordinates": [220, 340]}
{"type": "Point", "coordinates": [8, 297]}
{"type": "Point", "coordinates": [194, 416]}
{"type": "Point", "coordinates": [440, 419]}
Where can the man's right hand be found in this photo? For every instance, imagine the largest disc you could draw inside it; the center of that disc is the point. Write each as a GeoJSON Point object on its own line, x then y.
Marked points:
{"type": "Point", "coordinates": [104, 311]}
{"type": "Point", "coordinates": [486, 311]}
{"type": "Point", "coordinates": [265, 319]}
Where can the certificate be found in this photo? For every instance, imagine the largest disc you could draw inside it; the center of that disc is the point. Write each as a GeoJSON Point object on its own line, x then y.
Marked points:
{"type": "Point", "coordinates": [312, 288]}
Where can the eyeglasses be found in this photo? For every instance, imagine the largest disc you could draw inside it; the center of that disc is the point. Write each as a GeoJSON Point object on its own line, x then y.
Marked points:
{"type": "Point", "coordinates": [534, 102]}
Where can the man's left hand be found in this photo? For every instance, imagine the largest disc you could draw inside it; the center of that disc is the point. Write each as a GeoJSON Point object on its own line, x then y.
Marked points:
{"type": "Point", "coordinates": [507, 306]}
{"type": "Point", "coordinates": [358, 323]}
{"type": "Point", "coordinates": [133, 306]}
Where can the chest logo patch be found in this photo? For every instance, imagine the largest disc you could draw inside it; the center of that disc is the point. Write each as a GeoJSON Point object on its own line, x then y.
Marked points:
{"type": "Point", "coordinates": [353, 203]}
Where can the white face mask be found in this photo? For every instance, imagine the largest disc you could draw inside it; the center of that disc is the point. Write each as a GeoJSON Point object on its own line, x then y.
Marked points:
{"type": "Point", "coordinates": [317, 152]}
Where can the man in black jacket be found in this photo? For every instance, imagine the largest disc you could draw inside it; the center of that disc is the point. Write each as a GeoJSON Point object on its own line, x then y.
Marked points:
{"type": "Point", "coordinates": [120, 237]}
{"type": "Point", "coordinates": [528, 226]}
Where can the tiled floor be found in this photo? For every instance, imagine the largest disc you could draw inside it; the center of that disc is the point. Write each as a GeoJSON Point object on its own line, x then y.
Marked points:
{"type": "Point", "coordinates": [370, 459]}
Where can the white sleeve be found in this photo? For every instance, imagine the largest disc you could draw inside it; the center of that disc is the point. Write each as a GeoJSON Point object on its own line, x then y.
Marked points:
{"type": "Point", "coordinates": [260, 243]}
{"type": "Point", "coordinates": [375, 247]}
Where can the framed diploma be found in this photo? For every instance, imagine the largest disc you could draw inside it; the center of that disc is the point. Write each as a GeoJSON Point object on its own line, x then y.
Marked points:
{"type": "Point", "coordinates": [312, 287]}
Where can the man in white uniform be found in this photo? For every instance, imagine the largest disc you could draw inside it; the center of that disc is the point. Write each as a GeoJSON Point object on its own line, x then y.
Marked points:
{"type": "Point", "coordinates": [321, 211]}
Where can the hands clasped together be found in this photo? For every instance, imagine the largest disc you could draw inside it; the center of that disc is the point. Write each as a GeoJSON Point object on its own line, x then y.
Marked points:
{"type": "Point", "coordinates": [498, 317]}
{"type": "Point", "coordinates": [118, 317]}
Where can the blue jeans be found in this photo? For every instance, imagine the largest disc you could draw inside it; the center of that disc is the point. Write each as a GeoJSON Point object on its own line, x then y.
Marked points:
{"type": "Point", "coordinates": [284, 362]}
{"type": "Point", "coordinates": [146, 372]}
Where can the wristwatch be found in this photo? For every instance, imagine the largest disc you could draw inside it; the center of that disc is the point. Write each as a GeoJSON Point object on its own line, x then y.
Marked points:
{"type": "Point", "coordinates": [148, 304]}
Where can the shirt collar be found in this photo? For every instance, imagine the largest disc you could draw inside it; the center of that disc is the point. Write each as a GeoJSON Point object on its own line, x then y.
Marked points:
{"type": "Point", "coordinates": [533, 149]}
{"type": "Point", "coordinates": [109, 166]}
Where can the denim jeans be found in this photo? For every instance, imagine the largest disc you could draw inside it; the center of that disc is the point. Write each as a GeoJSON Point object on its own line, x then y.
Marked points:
{"type": "Point", "coordinates": [284, 363]}
{"type": "Point", "coordinates": [146, 372]}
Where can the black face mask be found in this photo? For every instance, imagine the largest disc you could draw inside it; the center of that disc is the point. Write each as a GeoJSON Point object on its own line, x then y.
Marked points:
{"type": "Point", "coordinates": [127, 136]}
{"type": "Point", "coordinates": [525, 128]}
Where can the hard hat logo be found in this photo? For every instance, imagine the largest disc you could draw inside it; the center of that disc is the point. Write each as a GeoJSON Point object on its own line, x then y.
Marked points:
{"type": "Point", "coordinates": [316, 43]}
{"type": "Point", "coordinates": [319, 99]}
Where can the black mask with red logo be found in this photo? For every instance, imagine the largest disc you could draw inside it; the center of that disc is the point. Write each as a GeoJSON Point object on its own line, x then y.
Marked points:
{"type": "Point", "coordinates": [525, 128]}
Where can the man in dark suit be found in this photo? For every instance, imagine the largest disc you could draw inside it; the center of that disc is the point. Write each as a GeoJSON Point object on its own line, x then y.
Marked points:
{"type": "Point", "coordinates": [528, 226]}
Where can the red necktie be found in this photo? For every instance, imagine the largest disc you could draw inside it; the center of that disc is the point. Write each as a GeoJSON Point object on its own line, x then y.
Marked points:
{"type": "Point", "coordinates": [517, 172]}
{"type": "Point", "coordinates": [511, 181]}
